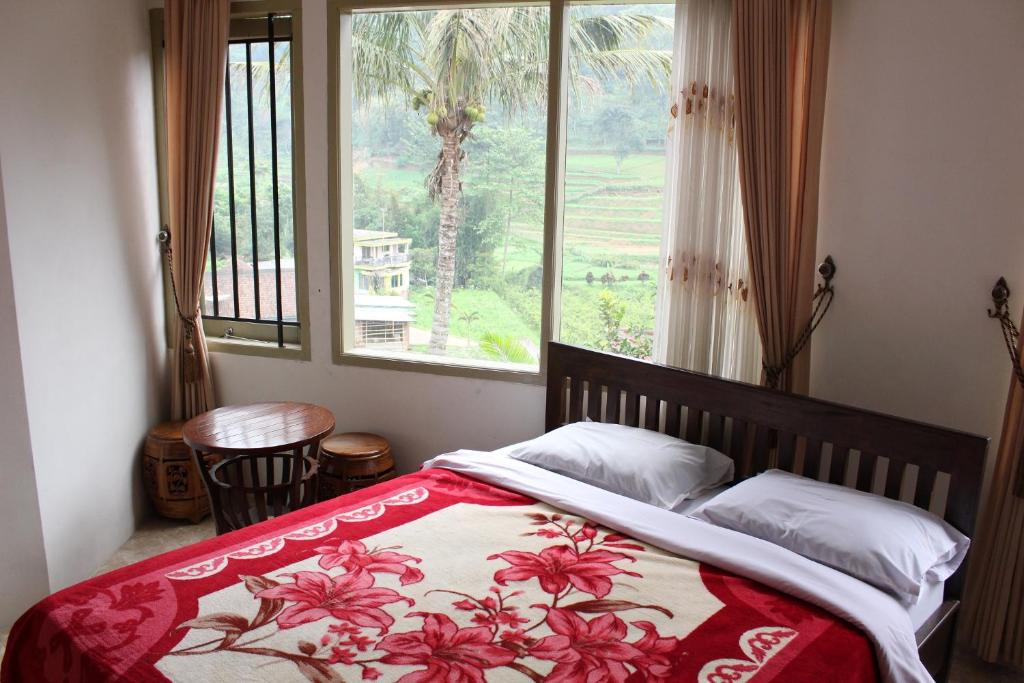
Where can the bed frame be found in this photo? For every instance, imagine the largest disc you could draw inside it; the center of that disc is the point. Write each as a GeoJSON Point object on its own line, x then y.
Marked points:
{"type": "Point", "coordinates": [931, 467]}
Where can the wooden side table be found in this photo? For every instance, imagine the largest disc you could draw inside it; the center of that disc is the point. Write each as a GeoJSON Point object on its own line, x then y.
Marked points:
{"type": "Point", "coordinates": [280, 429]}
{"type": "Point", "coordinates": [353, 461]}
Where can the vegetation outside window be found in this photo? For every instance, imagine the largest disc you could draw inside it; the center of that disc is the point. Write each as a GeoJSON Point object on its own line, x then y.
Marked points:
{"type": "Point", "coordinates": [443, 121]}
{"type": "Point", "coordinates": [448, 115]}
{"type": "Point", "coordinates": [614, 180]}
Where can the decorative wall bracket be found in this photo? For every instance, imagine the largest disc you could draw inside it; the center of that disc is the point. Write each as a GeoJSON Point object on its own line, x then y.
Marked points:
{"type": "Point", "coordinates": [1011, 333]}
{"type": "Point", "coordinates": [1011, 336]}
{"type": "Point", "coordinates": [822, 299]}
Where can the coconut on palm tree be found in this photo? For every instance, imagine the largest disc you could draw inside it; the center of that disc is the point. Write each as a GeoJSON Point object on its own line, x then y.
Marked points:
{"type": "Point", "coordinates": [451, 63]}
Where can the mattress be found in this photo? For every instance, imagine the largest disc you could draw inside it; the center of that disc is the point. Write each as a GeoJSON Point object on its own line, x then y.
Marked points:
{"type": "Point", "coordinates": [930, 600]}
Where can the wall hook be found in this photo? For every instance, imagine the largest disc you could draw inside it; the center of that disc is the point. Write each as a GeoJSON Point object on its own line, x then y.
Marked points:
{"type": "Point", "coordinates": [1011, 333]}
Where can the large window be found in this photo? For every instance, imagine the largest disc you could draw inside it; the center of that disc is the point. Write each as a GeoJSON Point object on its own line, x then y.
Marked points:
{"type": "Point", "coordinates": [254, 283]}
{"type": "Point", "coordinates": [467, 158]}
{"type": "Point", "coordinates": [448, 112]}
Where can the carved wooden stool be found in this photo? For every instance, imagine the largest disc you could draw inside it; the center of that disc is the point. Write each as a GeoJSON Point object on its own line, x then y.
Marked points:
{"type": "Point", "coordinates": [353, 461]}
{"type": "Point", "coordinates": [170, 476]}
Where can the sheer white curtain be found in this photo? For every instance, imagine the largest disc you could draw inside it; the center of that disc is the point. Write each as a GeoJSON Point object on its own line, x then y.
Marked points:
{"type": "Point", "coordinates": [705, 318]}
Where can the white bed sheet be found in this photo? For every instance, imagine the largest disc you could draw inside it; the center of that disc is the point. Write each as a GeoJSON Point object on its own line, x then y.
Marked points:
{"type": "Point", "coordinates": [691, 504]}
{"type": "Point", "coordinates": [880, 616]}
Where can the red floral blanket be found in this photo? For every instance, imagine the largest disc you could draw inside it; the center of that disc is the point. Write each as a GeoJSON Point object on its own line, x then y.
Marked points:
{"type": "Point", "coordinates": [430, 577]}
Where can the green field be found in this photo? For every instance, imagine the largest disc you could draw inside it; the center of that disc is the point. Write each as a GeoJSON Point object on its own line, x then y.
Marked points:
{"type": "Point", "coordinates": [612, 227]}
{"type": "Point", "coordinates": [474, 312]}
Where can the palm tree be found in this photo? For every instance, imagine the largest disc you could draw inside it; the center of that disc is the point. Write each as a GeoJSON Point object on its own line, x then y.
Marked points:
{"type": "Point", "coordinates": [452, 62]}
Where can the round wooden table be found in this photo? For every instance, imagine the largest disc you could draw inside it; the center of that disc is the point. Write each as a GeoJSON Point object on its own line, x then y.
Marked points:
{"type": "Point", "coordinates": [262, 433]}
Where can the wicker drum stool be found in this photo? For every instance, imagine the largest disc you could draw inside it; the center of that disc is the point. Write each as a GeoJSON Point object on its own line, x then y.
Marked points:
{"type": "Point", "coordinates": [353, 461]}
{"type": "Point", "coordinates": [170, 477]}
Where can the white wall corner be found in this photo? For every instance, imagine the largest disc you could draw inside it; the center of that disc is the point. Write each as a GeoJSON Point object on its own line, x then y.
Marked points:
{"type": "Point", "coordinates": [77, 140]}
{"type": "Point", "coordinates": [23, 560]}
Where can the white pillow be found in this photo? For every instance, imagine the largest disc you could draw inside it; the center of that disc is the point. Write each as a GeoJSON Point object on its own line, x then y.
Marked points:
{"type": "Point", "coordinates": [892, 545]}
{"type": "Point", "coordinates": [638, 463]}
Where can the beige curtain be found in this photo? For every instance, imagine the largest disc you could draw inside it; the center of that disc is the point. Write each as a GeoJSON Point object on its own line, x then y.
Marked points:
{"type": "Point", "coordinates": [705, 318]}
{"type": "Point", "coordinates": [994, 605]}
{"type": "Point", "coordinates": [195, 49]}
{"type": "Point", "coordinates": [781, 69]}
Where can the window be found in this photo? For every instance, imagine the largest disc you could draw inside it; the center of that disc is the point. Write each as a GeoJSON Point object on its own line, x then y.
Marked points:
{"type": "Point", "coordinates": [254, 284]}
{"type": "Point", "coordinates": [613, 183]}
{"type": "Point", "coordinates": [444, 151]}
{"type": "Point", "coordinates": [462, 236]}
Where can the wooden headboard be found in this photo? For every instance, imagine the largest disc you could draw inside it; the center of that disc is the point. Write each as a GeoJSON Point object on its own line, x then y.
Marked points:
{"type": "Point", "coordinates": [934, 468]}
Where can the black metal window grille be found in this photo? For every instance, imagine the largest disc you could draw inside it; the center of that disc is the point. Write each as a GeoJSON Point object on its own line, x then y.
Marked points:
{"type": "Point", "coordinates": [258, 74]}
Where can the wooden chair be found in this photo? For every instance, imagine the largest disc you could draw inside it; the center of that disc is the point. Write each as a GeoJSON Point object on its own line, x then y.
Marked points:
{"type": "Point", "coordinates": [250, 488]}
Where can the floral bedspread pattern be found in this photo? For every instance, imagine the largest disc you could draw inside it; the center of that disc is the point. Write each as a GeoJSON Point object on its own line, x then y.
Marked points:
{"type": "Point", "coordinates": [430, 577]}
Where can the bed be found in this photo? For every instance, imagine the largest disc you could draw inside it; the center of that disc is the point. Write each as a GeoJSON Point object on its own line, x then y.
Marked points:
{"type": "Point", "coordinates": [480, 567]}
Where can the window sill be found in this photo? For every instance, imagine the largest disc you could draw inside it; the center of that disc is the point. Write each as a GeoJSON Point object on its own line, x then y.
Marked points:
{"type": "Point", "coordinates": [503, 372]}
{"type": "Point", "coordinates": [246, 347]}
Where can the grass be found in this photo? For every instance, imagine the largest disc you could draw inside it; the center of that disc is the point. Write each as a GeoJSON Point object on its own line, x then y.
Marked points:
{"type": "Point", "coordinates": [604, 208]}
{"type": "Point", "coordinates": [580, 316]}
{"type": "Point", "coordinates": [640, 165]}
{"type": "Point", "coordinates": [492, 314]}
{"type": "Point", "coordinates": [394, 177]}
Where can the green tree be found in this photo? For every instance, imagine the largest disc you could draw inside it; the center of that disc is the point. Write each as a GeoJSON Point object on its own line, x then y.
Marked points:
{"type": "Point", "coordinates": [508, 166]}
{"type": "Point", "coordinates": [619, 124]}
{"type": "Point", "coordinates": [618, 338]}
{"type": "Point", "coordinates": [453, 62]}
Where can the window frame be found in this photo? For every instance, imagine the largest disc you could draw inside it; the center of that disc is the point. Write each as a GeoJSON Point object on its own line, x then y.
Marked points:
{"type": "Point", "coordinates": [248, 338]}
{"type": "Point", "coordinates": [339, 146]}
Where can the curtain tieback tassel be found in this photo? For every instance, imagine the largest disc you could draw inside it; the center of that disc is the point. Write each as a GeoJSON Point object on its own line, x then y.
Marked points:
{"type": "Point", "coordinates": [192, 368]}
{"type": "Point", "coordinates": [822, 299]}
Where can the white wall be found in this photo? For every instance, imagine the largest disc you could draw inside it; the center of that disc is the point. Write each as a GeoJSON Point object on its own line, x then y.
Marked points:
{"type": "Point", "coordinates": [23, 560]}
{"type": "Point", "coordinates": [420, 415]}
{"type": "Point", "coordinates": [922, 206]}
{"type": "Point", "coordinates": [76, 137]}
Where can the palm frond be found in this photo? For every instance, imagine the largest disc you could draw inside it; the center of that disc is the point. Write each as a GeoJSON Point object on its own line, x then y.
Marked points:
{"type": "Point", "coordinates": [505, 349]}
{"type": "Point", "coordinates": [261, 73]}
{"type": "Point", "coordinates": [632, 65]}
{"type": "Point", "coordinates": [384, 54]}
{"type": "Point", "coordinates": [607, 45]}
{"type": "Point", "coordinates": [612, 31]}
{"type": "Point", "coordinates": [469, 56]}
{"type": "Point", "coordinates": [456, 58]}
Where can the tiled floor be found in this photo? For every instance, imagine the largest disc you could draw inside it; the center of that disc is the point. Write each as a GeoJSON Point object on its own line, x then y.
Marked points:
{"type": "Point", "coordinates": [159, 536]}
